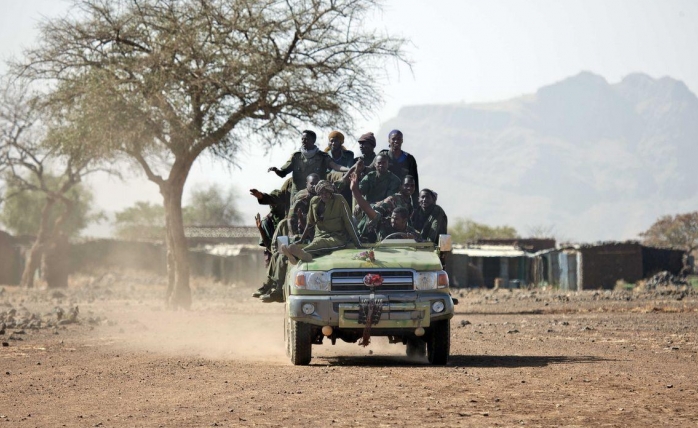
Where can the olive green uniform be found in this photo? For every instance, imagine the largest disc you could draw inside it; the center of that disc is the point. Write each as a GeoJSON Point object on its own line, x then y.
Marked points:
{"type": "Point", "coordinates": [376, 187]}
{"type": "Point", "coordinates": [384, 209]}
{"type": "Point", "coordinates": [301, 167]}
{"type": "Point", "coordinates": [333, 225]}
{"type": "Point", "coordinates": [431, 223]}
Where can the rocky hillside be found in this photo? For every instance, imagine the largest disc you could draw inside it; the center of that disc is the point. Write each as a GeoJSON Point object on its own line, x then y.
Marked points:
{"type": "Point", "coordinates": [597, 161]}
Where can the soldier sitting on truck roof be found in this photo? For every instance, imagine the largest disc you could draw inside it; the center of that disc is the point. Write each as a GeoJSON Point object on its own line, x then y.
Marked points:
{"type": "Point", "coordinates": [398, 226]}
{"type": "Point", "coordinates": [378, 215]}
{"type": "Point", "coordinates": [334, 229]}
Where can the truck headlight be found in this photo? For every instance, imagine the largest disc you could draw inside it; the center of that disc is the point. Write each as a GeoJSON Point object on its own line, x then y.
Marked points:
{"type": "Point", "coordinates": [438, 306]}
{"type": "Point", "coordinates": [311, 280]}
{"type": "Point", "coordinates": [430, 280]}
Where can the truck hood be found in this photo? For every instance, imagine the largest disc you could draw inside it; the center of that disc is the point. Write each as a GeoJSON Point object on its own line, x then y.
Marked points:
{"type": "Point", "coordinates": [385, 258]}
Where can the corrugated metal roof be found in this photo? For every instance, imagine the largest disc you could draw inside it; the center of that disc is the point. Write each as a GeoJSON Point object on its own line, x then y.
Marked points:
{"type": "Point", "coordinates": [490, 251]}
{"type": "Point", "coordinates": [228, 250]}
{"type": "Point", "coordinates": [221, 232]}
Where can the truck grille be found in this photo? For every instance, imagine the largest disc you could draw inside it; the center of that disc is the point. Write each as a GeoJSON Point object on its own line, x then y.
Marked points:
{"type": "Point", "coordinates": [393, 280]}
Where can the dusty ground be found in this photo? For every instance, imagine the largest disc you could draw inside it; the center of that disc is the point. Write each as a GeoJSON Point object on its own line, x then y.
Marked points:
{"type": "Point", "coordinates": [519, 358]}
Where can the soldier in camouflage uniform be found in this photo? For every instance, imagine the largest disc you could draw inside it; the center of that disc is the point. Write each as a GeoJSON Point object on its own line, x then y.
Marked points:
{"type": "Point", "coordinates": [309, 159]}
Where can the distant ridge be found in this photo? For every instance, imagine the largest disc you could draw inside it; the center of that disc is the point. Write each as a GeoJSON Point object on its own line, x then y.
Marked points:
{"type": "Point", "coordinates": [598, 161]}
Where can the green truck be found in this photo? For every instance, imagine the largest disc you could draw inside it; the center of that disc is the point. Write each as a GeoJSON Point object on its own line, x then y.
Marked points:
{"type": "Point", "coordinates": [398, 288]}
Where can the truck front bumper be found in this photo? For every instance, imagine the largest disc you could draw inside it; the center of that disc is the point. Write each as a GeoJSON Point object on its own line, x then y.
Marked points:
{"type": "Point", "coordinates": [398, 310]}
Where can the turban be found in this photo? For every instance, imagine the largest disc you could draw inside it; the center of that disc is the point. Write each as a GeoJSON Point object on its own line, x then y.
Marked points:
{"type": "Point", "coordinates": [324, 185]}
{"type": "Point", "coordinates": [368, 138]}
{"type": "Point", "coordinates": [337, 134]}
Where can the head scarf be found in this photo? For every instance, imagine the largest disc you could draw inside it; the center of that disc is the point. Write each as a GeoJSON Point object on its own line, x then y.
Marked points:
{"type": "Point", "coordinates": [368, 138]}
{"type": "Point", "coordinates": [324, 185]}
{"type": "Point", "coordinates": [433, 193]}
{"type": "Point", "coordinates": [337, 134]}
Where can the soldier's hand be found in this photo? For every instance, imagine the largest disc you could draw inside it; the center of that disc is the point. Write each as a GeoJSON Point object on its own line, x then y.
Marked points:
{"type": "Point", "coordinates": [258, 220]}
{"type": "Point", "coordinates": [359, 165]}
{"type": "Point", "coordinates": [256, 193]}
{"type": "Point", "coordinates": [353, 181]}
{"type": "Point", "coordinates": [273, 168]}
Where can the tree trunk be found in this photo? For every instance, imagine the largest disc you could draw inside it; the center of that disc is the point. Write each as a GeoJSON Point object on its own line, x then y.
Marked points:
{"type": "Point", "coordinates": [33, 257]}
{"type": "Point", "coordinates": [55, 261]}
{"type": "Point", "coordinates": [179, 293]}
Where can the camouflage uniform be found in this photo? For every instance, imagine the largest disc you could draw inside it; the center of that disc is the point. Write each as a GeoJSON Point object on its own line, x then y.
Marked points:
{"type": "Point", "coordinates": [375, 188]}
{"type": "Point", "coordinates": [432, 223]}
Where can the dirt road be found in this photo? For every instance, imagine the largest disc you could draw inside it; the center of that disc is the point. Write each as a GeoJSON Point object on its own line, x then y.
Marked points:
{"type": "Point", "coordinates": [519, 358]}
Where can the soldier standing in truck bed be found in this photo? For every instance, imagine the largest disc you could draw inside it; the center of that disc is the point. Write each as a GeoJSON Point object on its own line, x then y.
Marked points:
{"type": "Point", "coordinates": [379, 183]}
{"type": "Point", "coordinates": [401, 162]}
{"type": "Point", "coordinates": [309, 159]}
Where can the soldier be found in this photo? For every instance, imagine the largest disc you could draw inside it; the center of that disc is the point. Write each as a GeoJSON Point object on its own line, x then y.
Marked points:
{"type": "Point", "coordinates": [367, 145]}
{"type": "Point", "coordinates": [309, 159]}
{"type": "Point", "coordinates": [338, 153]}
{"type": "Point", "coordinates": [398, 226]}
{"type": "Point", "coordinates": [301, 203]}
{"type": "Point", "coordinates": [380, 183]}
{"type": "Point", "coordinates": [378, 214]}
{"type": "Point", "coordinates": [278, 206]}
{"type": "Point", "coordinates": [430, 219]}
{"type": "Point", "coordinates": [329, 215]}
{"type": "Point", "coordinates": [401, 162]}
{"type": "Point", "coordinates": [292, 226]}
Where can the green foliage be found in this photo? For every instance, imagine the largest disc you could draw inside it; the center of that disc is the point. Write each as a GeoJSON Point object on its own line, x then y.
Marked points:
{"type": "Point", "coordinates": [211, 206]}
{"type": "Point", "coordinates": [141, 221]}
{"type": "Point", "coordinates": [679, 231]}
{"type": "Point", "coordinates": [21, 211]}
{"type": "Point", "coordinates": [464, 230]}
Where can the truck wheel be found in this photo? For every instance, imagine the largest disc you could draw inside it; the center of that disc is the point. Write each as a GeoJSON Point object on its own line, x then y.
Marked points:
{"type": "Point", "coordinates": [416, 348]}
{"type": "Point", "coordinates": [439, 342]}
{"type": "Point", "coordinates": [301, 343]}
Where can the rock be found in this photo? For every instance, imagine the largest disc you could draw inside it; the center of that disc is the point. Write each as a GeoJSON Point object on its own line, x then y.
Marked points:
{"type": "Point", "coordinates": [463, 323]}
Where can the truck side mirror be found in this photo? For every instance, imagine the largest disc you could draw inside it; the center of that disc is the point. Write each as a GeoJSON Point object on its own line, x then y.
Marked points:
{"type": "Point", "coordinates": [445, 244]}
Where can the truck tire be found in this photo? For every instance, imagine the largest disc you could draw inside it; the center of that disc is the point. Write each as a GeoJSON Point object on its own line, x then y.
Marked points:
{"type": "Point", "coordinates": [439, 342]}
{"type": "Point", "coordinates": [416, 348]}
{"type": "Point", "coordinates": [301, 343]}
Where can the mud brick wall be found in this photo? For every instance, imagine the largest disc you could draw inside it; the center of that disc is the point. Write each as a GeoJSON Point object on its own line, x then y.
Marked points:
{"type": "Point", "coordinates": [656, 260]}
{"type": "Point", "coordinates": [604, 265]}
{"type": "Point", "coordinates": [108, 253]}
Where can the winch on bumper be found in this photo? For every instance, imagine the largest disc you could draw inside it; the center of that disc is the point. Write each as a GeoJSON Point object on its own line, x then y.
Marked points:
{"type": "Point", "coordinates": [404, 310]}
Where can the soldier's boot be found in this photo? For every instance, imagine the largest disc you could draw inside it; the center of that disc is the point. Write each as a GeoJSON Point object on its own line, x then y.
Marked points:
{"type": "Point", "coordinates": [265, 289]}
{"type": "Point", "coordinates": [276, 295]}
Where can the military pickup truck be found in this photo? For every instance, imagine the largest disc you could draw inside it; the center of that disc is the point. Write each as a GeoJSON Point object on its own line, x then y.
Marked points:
{"type": "Point", "coordinates": [397, 288]}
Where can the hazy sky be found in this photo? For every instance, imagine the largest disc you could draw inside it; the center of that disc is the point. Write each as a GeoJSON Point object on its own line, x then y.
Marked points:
{"type": "Point", "coordinates": [463, 51]}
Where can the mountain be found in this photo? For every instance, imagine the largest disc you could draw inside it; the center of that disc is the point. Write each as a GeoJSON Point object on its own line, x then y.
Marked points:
{"type": "Point", "coordinates": [596, 161]}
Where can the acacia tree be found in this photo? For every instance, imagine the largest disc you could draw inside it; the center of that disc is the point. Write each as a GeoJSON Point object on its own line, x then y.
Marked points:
{"type": "Point", "coordinates": [162, 81]}
{"type": "Point", "coordinates": [679, 231]}
{"type": "Point", "coordinates": [35, 161]}
{"type": "Point", "coordinates": [465, 230]}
